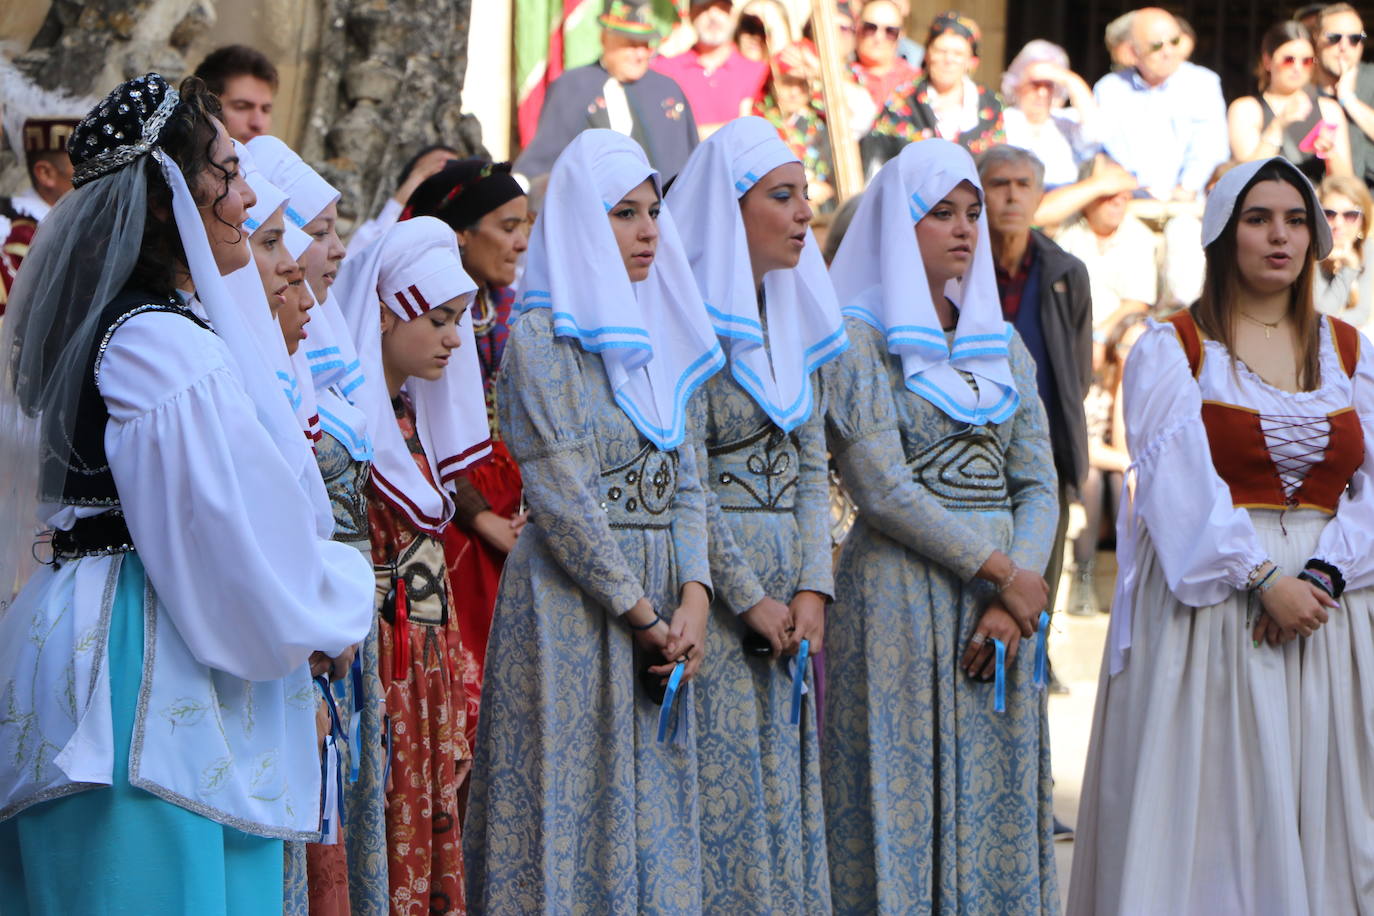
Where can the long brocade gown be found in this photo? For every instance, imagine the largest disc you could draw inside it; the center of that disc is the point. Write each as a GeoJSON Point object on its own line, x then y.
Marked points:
{"type": "Point", "coordinates": [574, 805]}
{"type": "Point", "coordinates": [762, 818]}
{"type": "Point", "coordinates": [420, 668]}
{"type": "Point", "coordinates": [934, 802]}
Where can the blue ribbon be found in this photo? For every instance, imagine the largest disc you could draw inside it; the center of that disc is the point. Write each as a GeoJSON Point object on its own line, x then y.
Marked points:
{"type": "Point", "coordinates": [1042, 651]}
{"type": "Point", "coordinates": [799, 681]}
{"type": "Point", "coordinates": [331, 748]}
{"type": "Point", "coordinates": [355, 721]}
{"type": "Point", "coordinates": [999, 701]}
{"type": "Point", "coordinates": [665, 713]}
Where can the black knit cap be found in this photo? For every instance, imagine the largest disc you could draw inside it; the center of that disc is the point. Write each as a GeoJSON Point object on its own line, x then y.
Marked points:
{"type": "Point", "coordinates": [464, 191]}
{"type": "Point", "coordinates": [122, 128]}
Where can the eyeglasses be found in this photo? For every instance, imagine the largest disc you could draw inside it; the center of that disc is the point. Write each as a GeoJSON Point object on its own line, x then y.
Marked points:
{"type": "Point", "coordinates": [1289, 60]}
{"type": "Point", "coordinates": [1350, 216]}
{"type": "Point", "coordinates": [1156, 46]}
{"type": "Point", "coordinates": [869, 29]}
{"type": "Point", "coordinates": [1354, 40]}
{"type": "Point", "coordinates": [847, 28]}
{"type": "Point", "coordinates": [1043, 85]}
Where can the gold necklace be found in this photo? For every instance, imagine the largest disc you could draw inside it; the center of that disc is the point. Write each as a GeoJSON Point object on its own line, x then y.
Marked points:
{"type": "Point", "coordinates": [1268, 328]}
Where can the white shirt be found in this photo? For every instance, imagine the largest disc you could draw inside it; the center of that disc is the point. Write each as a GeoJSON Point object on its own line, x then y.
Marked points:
{"type": "Point", "coordinates": [1062, 143]}
{"type": "Point", "coordinates": [1206, 546]}
{"type": "Point", "coordinates": [242, 590]}
{"type": "Point", "coordinates": [1123, 266]}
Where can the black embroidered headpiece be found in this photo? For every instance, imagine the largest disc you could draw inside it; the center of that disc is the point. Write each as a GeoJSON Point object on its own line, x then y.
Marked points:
{"type": "Point", "coordinates": [122, 128]}
{"type": "Point", "coordinates": [464, 191]}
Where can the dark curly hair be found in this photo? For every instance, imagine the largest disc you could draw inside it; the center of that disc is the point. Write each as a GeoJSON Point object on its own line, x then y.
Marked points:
{"type": "Point", "coordinates": [189, 138]}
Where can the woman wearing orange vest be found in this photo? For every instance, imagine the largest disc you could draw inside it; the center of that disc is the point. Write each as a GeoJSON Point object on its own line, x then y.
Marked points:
{"type": "Point", "coordinates": [1228, 769]}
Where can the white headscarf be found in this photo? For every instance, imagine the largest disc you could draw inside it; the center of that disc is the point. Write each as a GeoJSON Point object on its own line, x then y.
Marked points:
{"type": "Point", "coordinates": [299, 392]}
{"type": "Point", "coordinates": [653, 336]}
{"type": "Point", "coordinates": [880, 279]}
{"type": "Point", "coordinates": [1222, 201]}
{"type": "Point", "coordinates": [328, 352]}
{"type": "Point", "coordinates": [805, 329]}
{"type": "Point", "coordinates": [411, 269]}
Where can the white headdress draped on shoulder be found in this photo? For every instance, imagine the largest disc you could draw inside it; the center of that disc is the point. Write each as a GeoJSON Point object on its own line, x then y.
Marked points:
{"type": "Point", "coordinates": [653, 336]}
{"type": "Point", "coordinates": [805, 329]}
{"type": "Point", "coordinates": [880, 279]}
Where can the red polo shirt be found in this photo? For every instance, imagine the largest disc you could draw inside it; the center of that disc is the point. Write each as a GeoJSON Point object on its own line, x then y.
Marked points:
{"type": "Point", "coordinates": [715, 97]}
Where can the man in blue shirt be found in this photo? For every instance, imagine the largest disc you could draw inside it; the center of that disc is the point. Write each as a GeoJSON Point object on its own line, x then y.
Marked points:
{"type": "Point", "coordinates": [1163, 119]}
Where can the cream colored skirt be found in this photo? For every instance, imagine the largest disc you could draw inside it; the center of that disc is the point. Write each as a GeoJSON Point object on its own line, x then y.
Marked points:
{"type": "Point", "coordinates": [1224, 778]}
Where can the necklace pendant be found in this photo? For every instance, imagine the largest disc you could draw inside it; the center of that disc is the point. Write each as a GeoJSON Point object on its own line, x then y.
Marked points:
{"type": "Point", "coordinates": [1267, 329]}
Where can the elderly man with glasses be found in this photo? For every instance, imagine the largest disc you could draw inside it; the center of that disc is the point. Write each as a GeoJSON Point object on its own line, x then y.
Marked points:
{"type": "Point", "coordinates": [1339, 38]}
{"type": "Point", "coordinates": [1163, 119]}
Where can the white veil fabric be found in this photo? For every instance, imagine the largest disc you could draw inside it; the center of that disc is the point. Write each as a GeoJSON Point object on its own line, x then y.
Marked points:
{"type": "Point", "coordinates": [413, 268]}
{"type": "Point", "coordinates": [82, 256]}
{"type": "Point", "coordinates": [329, 353]}
{"type": "Point", "coordinates": [265, 327]}
{"type": "Point", "coordinates": [880, 279]}
{"type": "Point", "coordinates": [654, 336]}
{"type": "Point", "coordinates": [804, 326]}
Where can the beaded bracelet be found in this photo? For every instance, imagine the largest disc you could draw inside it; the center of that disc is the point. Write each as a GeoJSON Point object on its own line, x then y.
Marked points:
{"type": "Point", "coordinates": [1325, 576]}
{"type": "Point", "coordinates": [1258, 574]}
{"type": "Point", "coordinates": [1011, 577]}
{"type": "Point", "coordinates": [1267, 581]}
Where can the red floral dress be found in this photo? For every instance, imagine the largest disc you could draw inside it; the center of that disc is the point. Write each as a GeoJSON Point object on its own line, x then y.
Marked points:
{"type": "Point", "coordinates": [421, 667]}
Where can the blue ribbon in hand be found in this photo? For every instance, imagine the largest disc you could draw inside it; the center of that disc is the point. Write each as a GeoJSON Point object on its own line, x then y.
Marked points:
{"type": "Point", "coordinates": [665, 712]}
{"type": "Point", "coordinates": [799, 681]}
{"type": "Point", "coordinates": [1042, 651]}
{"type": "Point", "coordinates": [999, 690]}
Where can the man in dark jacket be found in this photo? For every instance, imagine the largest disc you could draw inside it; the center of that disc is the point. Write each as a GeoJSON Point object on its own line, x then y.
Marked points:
{"type": "Point", "coordinates": [618, 92]}
{"type": "Point", "coordinates": [1045, 294]}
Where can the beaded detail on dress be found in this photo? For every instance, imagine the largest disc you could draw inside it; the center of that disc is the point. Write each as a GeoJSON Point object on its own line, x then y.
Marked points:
{"type": "Point", "coordinates": [639, 493]}
{"type": "Point", "coordinates": [757, 473]}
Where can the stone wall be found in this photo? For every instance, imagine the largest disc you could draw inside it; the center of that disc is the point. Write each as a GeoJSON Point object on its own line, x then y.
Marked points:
{"type": "Point", "coordinates": [364, 82]}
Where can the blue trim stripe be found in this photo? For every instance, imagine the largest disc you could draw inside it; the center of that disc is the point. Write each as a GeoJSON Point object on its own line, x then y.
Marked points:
{"type": "Point", "coordinates": [321, 353]}
{"type": "Point", "coordinates": [997, 413]}
{"type": "Point", "coordinates": [252, 224]}
{"type": "Point", "coordinates": [296, 218]}
{"type": "Point", "coordinates": [737, 319]}
{"type": "Point", "coordinates": [359, 446]}
{"type": "Point", "coordinates": [696, 374]}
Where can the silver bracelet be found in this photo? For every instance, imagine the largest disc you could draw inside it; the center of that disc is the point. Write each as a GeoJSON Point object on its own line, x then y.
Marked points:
{"type": "Point", "coordinates": [1011, 577]}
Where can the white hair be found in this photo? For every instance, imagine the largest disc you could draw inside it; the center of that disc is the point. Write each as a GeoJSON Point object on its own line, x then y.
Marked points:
{"type": "Point", "coordinates": [1035, 52]}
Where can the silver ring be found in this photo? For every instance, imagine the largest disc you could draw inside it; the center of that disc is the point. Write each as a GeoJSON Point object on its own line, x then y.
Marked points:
{"type": "Point", "coordinates": [978, 639]}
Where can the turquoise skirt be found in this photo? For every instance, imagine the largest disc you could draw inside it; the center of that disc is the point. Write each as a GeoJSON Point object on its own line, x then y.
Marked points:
{"type": "Point", "coordinates": [120, 849]}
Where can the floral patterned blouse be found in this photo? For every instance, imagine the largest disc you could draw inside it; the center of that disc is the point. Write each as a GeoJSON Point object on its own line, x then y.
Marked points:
{"type": "Point", "coordinates": [908, 117]}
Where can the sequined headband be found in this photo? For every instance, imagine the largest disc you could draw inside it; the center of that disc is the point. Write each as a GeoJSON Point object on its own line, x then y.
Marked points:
{"type": "Point", "coordinates": [116, 158]}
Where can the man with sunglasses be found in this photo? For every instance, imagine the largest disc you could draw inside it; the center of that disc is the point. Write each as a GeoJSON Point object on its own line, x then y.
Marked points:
{"type": "Point", "coordinates": [1163, 118]}
{"type": "Point", "coordinates": [1339, 38]}
{"type": "Point", "coordinates": [878, 65]}
{"type": "Point", "coordinates": [720, 83]}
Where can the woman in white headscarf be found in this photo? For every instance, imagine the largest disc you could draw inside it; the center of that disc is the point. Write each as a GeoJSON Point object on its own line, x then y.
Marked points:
{"type": "Point", "coordinates": [1231, 753]}
{"type": "Point", "coordinates": [740, 204]}
{"type": "Point", "coordinates": [584, 792]}
{"type": "Point", "coordinates": [325, 377]}
{"type": "Point", "coordinates": [935, 759]}
{"type": "Point", "coordinates": [425, 409]}
{"type": "Point", "coordinates": [191, 575]}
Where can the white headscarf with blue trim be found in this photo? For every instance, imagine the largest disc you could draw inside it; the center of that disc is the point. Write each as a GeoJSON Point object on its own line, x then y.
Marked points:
{"type": "Point", "coordinates": [329, 353]}
{"type": "Point", "coordinates": [880, 279]}
{"type": "Point", "coordinates": [653, 336]}
{"type": "Point", "coordinates": [805, 329]}
{"type": "Point", "coordinates": [289, 370]}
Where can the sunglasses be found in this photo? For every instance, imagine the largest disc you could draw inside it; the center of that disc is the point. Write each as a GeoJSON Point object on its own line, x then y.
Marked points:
{"type": "Point", "coordinates": [1350, 216]}
{"type": "Point", "coordinates": [847, 28]}
{"type": "Point", "coordinates": [1334, 38]}
{"type": "Point", "coordinates": [1043, 85]}
{"type": "Point", "coordinates": [1289, 60]}
{"type": "Point", "coordinates": [1156, 46]}
{"type": "Point", "coordinates": [869, 29]}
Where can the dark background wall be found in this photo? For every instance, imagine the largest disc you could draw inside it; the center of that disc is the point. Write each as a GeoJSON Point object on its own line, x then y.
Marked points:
{"type": "Point", "coordinates": [1228, 32]}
